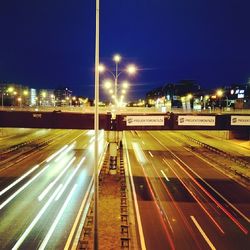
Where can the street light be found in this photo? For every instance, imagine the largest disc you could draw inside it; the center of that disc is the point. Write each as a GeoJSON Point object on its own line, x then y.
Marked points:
{"type": "Point", "coordinates": [130, 69]}
{"type": "Point", "coordinates": [219, 93]}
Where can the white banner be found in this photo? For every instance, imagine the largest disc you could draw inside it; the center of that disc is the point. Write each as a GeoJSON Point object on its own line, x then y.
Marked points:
{"type": "Point", "coordinates": [193, 120]}
{"type": "Point", "coordinates": [145, 120]}
{"type": "Point", "coordinates": [242, 120]}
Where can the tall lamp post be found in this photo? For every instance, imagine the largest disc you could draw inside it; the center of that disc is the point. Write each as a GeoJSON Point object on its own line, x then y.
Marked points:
{"type": "Point", "coordinates": [96, 126]}
{"type": "Point", "coordinates": [130, 69]}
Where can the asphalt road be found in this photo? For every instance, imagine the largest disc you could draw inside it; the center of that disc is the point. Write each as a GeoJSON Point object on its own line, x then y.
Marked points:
{"type": "Point", "coordinates": [184, 201]}
{"type": "Point", "coordinates": [40, 195]}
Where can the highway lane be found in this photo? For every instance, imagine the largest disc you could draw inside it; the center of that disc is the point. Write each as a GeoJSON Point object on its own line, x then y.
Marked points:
{"type": "Point", "coordinates": [199, 216]}
{"type": "Point", "coordinates": [44, 204]}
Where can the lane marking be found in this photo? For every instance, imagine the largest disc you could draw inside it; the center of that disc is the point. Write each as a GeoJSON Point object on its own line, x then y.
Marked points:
{"type": "Point", "coordinates": [142, 240]}
{"type": "Point", "coordinates": [78, 217]}
{"type": "Point", "coordinates": [18, 180]}
{"type": "Point", "coordinates": [52, 228]}
{"type": "Point", "coordinates": [22, 188]}
{"type": "Point", "coordinates": [33, 223]}
{"type": "Point", "coordinates": [164, 175]}
{"type": "Point", "coordinates": [241, 227]}
{"type": "Point", "coordinates": [202, 233]}
{"type": "Point", "coordinates": [151, 154]}
{"type": "Point", "coordinates": [230, 216]}
{"type": "Point", "coordinates": [69, 179]}
{"type": "Point", "coordinates": [197, 200]}
{"type": "Point", "coordinates": [51, 185]}
{"type": "Point", "coordinates": [220, 195]}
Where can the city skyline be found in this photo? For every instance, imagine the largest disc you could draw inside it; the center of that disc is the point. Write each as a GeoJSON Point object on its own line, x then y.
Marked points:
{"type": "Point", "coordinates": [45, 45]}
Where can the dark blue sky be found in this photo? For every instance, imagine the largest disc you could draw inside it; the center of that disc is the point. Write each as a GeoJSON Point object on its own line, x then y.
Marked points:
{"type": "Point", "coordinates": [47, 43]}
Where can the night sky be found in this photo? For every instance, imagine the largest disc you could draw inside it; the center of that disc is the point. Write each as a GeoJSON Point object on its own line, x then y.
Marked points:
{"type": "Point", "coordinates": [50, 43]}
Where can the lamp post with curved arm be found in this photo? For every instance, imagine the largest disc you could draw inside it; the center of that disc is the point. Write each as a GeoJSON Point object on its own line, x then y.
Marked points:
{"type": "Point", "coordinates": [130, 69]}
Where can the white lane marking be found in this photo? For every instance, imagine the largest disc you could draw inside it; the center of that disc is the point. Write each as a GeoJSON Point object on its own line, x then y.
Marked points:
{"type": "Point", "coordinates": [69, 179]}
{"type": "Point", "coordinates": [142, 240]}
{"type": "Point", "coordinates": [78, 217]}
{"type": "Point", "coordinates": [18, 180]}
{"type": "Point", "coordinates": [164, 175]}
{"type": "Point", "coordinates": [58, 217]}
{"type": "Point", "coordinates": [48, 188]}
{"type": "Point", "coordinates": [33, 223]}
{"type": "Point", "coordinates": [150, 154]}
{"type": "Point", "coordinates": [56, 153]}
{"type": "Point", "coordinates": [22, 188]}
{"type": "Point", "coordinates": [220, 195]}
{"type": "Point", "coordinates": [202, 233]}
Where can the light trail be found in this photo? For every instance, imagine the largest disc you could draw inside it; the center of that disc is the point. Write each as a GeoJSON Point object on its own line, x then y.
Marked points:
{"type": "Point", "coordinates": [242, 228]}
{"type": "Point", "coordinates": [138, 217]}
{"type": "Point", "coordinates": [164, 175]}
{"type": "Point", "coordinates": [18, 180]}
{"type": "Point", "coordinates": [22, 188]}
{"type": "Point", "coordinates": [33, 223]}
{"type": "Point", "coordinates": [56, 153]}
{"type": "Point", "coordinates": [139, 154]}
{"type": "Point", "coordinates": [69, 179]}
{"type": "Point", "coordinates": [65, 152]}
{"type": "Point", "coordinates": [179, 210]}
{"type": "Point", "coordinates": [203, 233]}
{"type": "Point", "coordinates": [58, 217]}
{"type": "Point", "coordinates": [197, 200]}
{"type": "Point", "coordinates": [151, 154]}
{"type": "Point", "coordinates": [48, 188]}
{"type": "Point", "coordinates": [209, 163]}
{"type": "Point", "coordinates": [160, 211]}
{"type": "Point", "coordinates": [230, 216]}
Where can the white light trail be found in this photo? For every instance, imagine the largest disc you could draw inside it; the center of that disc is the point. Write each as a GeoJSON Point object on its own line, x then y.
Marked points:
{"type": "Point", "coordinates": [33, 223]}
{"type": "Point", "coordinates": [203, 233]}
{"type": "Point", "coordinates": [56, 153]}
{"type": "Point", "coordinates": [69, 179]}
{"type": "Point", "coordinates": [139, 154]}
{"type": "Point", "coordinates": [48, 188]}
{"type": "Point", "coordinates": [64, 152]}
{"type": "Point", "coordinates": [58, 217]}
{"type": "Point", "coordinates": [22, 188]}
{"type": "Point", "coordinates": [18, 180]}
{"type": "Point", "coordinates": [164, 175]}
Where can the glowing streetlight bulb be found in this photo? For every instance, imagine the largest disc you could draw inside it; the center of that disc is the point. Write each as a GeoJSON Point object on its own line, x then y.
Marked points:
{"type": "Point", "coordinates": [125, 85]}
{"type": "Point", "coordinates": [131, 69]}
{"type": "Point", "coordinates": [189, 96]}
{"type": "Point", "coordinates": [107, 84]}
{"type": "Point", "coordinates": [117, 58]}
{"type": "Point", "coordinates": [111, 91]}
{"type": "Point", "coordinates": [219, 93]}
{"type": "Point", "coordinates": [25, 92]}
{"type": "Point", "coordinates": [101, 68]}
{"type": "Point", "coordinates": [123, 91]}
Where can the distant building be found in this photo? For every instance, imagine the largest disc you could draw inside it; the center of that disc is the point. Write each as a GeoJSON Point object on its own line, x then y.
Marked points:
{"type": "Point", "coordinates": [171, 94]}
{"type": "Point", "coordinates": [13, 94]}
{"type": "Point", "coordinates": [46, 97]}
{"type": "Point", "coordinates": [62, 96]}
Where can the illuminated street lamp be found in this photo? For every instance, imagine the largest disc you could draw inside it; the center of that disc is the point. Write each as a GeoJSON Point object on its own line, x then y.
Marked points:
{"type": "Point", "coordinates": [219, 93]}
{"type": "Point", "coordinates": [19, 99]}
{"type": "Point", "coordinates": [130, 69]}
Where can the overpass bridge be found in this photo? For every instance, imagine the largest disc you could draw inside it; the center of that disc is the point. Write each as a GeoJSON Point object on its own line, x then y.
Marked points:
{"type": "Point", "coordinates": [126, 121]}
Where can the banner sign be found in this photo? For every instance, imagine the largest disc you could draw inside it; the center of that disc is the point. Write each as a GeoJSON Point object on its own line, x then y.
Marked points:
{"type": "Point", "coordinates": [242, 120]}
{"type": "Point", "coordinates": [145, 120]}
{"type": "Point", "coordinates": [193, 120]}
